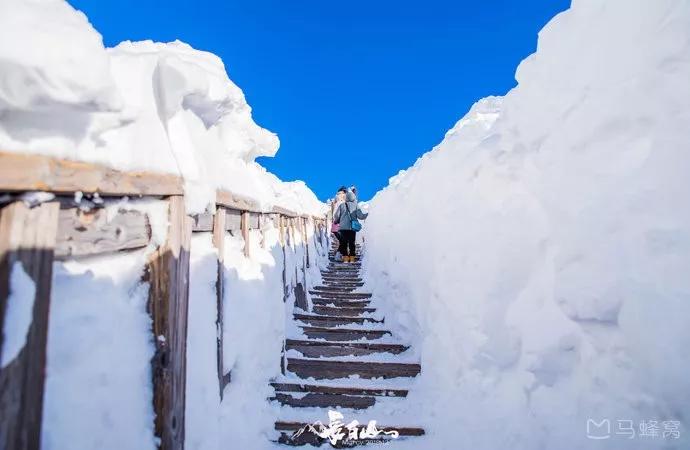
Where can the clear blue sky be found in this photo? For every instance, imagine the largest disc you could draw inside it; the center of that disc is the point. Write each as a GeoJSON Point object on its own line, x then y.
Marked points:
{"type": "Point", "coordinates": [356, 90]}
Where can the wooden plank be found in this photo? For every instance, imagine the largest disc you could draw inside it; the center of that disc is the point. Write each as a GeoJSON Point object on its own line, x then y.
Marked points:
{"type": "Point", "coordinates": [91, 233]}
{"type": "Point", "coordinates": [24, 172]}
{"type": "Point", "coordinates": [306, 242]}
{"type": "Point", "coordinates": [321, 369]}
{"type": "Point", "coordinates": [168, 275]}
{"type": "Point", "coordinates": [202, 222]}
{"type": "Point", "coordinates": [284, 211]}
{"type": "Point", "coordinates": [254, 221]}
{"type": "Point", "coordinates": [236, 201]}
{"type": "Point", "coordinates": [233, 220]}
{"type": "Point", "coordinates": [381, 392]}
{"type": "Point", "coordinates": [245, 233]}
{"type": "Point", "coordinates": [219, 243]}
{"type": "Point", "coordinates": [27, 242]}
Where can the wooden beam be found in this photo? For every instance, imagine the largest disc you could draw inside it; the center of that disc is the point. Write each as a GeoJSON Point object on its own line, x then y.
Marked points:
{"type": "Point", "coordinates": [92, 233]}
{"type": "Point", "coordinates": [284, 211]}
{"type": "Point", "coordinates": [219, 243]}
{"type": "Point", "coordinates": [203, 222]}
{"type": "Point", "coordinates": [236, 201]}
{"type": "Point", "coordinates": [25, 172]}
{"type": "Point", "coordinates": [306, 242]}
{"type": "Point", "coordinates": [233, 220]}
{"type": "Point", "coordinates": [168, 275]}
{"type": "Point", "coordinates": [245, 233]}
{"type": "Point", "coordinates": [27, 244]}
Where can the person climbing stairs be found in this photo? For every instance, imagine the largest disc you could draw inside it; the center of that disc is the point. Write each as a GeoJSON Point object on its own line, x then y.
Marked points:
{"type": "Point", "coordinates": [338, 366]}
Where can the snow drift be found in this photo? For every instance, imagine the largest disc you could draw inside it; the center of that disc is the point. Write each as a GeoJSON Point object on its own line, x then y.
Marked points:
{"type": "Point", "coordinates": [141, 105]}
{"type": "Point", "coordinates": [547, 281]}
{"type": "Point", "coordinates": [163, 108]}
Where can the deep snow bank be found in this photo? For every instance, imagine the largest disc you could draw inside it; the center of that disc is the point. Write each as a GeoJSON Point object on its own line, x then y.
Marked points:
{"type": "Point", "coordinates": [540, 253]}
{"type": "Point", "coordinates": [141, 105]}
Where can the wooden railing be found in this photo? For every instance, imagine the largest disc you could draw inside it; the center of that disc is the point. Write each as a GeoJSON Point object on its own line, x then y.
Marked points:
{"type": "Point", "coordinates": [56, 229]}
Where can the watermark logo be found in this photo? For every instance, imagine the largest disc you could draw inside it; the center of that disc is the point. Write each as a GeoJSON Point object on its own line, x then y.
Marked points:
{"type": "Point", "coordinates": [338, 432]}
{"type": "Point", "coordinates": [629, 429]}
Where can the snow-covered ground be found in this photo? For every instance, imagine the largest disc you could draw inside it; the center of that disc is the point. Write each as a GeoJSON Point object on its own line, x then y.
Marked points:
{"type": "Point", "coordinates": [538, 257]}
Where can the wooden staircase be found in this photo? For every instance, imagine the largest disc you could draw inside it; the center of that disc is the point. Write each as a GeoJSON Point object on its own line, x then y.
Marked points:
{"type": "Point", "coordinates": [343, 339]}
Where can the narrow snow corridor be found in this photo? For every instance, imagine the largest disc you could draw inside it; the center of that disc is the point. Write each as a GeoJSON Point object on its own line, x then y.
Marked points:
{"type": "Point", "coordinates": [344, 363]}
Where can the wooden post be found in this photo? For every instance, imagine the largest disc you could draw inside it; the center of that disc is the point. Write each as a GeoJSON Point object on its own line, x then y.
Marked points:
{"type": "Point", "coordinates": [306, 241]}
{"type": "Point", "coordinates": [245, 232]}
{"type": "Point", "coordinates": [168, 274]}
{"type": "Point", "coordinates": [27, 244]}
{"type": "Point", "coordinates": [219, 243]}
{"type": "Point", "coordinates": [280, 230]}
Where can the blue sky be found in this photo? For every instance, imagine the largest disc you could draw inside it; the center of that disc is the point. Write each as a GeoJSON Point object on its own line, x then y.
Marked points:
{"type": "Point", "coordinates": [355, 90]}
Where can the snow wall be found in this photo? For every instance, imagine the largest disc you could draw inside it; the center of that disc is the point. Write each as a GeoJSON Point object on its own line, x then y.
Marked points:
{"type": "Point", "coordinates": [539, 255]}
{"type": "Point", "coordinates": [161, 108]}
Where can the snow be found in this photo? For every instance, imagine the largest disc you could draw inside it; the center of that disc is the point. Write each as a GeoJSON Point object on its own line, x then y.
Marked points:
{"type": "Point", "coordinates": [202, 395]}
{"type": "Point", "coordinates": [546, 284]}
{"type": "Point", "coordinates": [18, 315]}
{"type": "Point", "coordinates": [162, 107]}
{"type": "Point", "coordinates": [98, 379]}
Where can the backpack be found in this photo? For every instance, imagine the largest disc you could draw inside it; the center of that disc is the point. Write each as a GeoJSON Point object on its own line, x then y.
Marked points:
{"type": "Point", "coordinates": [354, 223]}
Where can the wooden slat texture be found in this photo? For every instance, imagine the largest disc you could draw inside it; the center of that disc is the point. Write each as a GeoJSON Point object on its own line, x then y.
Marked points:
{"type": "Point", "coordinates": [202, 222]}
{"type": "Point", "coordinates": [236, 201]}
{"type": "Point", "coordinates": [321, 369]}
{"type": "Point", "coordinates": [245, 233]}
{"type": "Point", "coordinates": [92, 233]}
{"type": "Point", "coordinates": [168, 305]}
{"type": "Point", "coordinates": [219, 243]}
{"type": "Point", "coordinates": [254, 221]}
{"type": "Point", "coordinates": [233, 220]}
{"type": "Point", "coordinates": [27, 241]}
{"type": "Point", "coordinates": [25, 172]}
{"type": "Point", "coordinates": [284, 211]}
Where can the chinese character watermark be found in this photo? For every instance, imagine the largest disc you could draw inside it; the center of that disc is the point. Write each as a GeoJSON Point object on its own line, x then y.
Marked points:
{"type": "Point", "coordinates": [629, 429]}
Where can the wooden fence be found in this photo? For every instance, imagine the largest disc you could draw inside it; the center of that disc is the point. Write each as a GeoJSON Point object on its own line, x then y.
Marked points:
{"type": "Point", "coordinates": [56, 229]}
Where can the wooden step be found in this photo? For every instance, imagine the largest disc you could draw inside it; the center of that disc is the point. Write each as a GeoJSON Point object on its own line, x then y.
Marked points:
{"type": "Point", "coordinates": [317, 349]}
{"type": "Point", "coordinates": [320, 396]}
{"type": "Point", "coordinates": [333, 321]}
{"type": "Point", "coordinates": [318, 400]}
{"type": "Point", "coordinates": [321, 369]}
{"type": "Point", "coordinates": [342, 334]}
{"type": "Point", "coordinates": [340, 282]}
{"type": "Point", "coordinates": [341, 295]}
{"type": "Point", "coordinates": [339, 303]}
{"type": "Point", "coordinates": [343, 311]}
{"type": "Point", "coordinates": [341, 273]}
{"type": "Point", "coordinates": [325, 389]}
{"type": "Point", "coordinates": [335, 289]}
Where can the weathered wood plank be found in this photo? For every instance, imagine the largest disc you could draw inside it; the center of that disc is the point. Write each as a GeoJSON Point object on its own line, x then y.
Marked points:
{"type": "Point", "coordinates": [219, 243]}
{"type": "Point", "coordinates": [91, 233]}
{"type": "Point", "coordinates": [236, 201]}
{"type": "Point", "coordinates": [233, 220]}
{"type": "Point", "coordinates": [202, 222]}
{"type": "Point", "coordinates": [245, 233]}
{"type": "Point", "coordinates": [342, 334]}
{"type": "Point", "coordinates": [284, 211]}
{"type": "Point", "coordinates": [168, 274]}
{"type": "Point", "coordinates": [24, 172]}
{"type": "Point", "coordinates": [329, 369]}
{"type": "Point", "coordinates": [27, 242]}
{"type": "Point", "coordinates": [254, 221]}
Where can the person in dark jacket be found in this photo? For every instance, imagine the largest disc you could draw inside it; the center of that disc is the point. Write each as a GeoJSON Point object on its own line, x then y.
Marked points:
{"type": "Point", "coordinates": [344, 215]}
